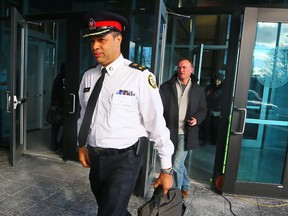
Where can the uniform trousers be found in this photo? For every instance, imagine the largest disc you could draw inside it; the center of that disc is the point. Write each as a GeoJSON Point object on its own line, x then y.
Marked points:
{"type": "Point", "coordinates": [112, 180]}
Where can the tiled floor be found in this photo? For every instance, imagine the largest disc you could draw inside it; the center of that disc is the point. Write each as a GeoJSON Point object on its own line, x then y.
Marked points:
{"type": "Point", "coordinates": [42, 184]}
{"type": "Point", "coordinates": [47, 186]}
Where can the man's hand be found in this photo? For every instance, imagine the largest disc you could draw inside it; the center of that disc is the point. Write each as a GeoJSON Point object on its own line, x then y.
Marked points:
{"type": "Point", "coordinates": [192, 121]}
{"type": "Point", "coordinates": [165, 180]}
{"type": "Point", "coordinates": [84, 156]}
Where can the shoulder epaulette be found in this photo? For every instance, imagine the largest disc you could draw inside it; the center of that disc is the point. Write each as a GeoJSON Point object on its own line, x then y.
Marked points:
{"type": "Point", "coordinates": [139, 67]}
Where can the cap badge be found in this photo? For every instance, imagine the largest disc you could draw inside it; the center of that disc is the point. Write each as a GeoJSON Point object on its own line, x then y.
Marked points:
{"type": "Point", "coordinates": [92, 24]}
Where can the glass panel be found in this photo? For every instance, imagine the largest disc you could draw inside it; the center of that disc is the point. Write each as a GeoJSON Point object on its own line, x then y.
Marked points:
{"type": "Point", "coordinates": [161, 50]}
{"type": "Point", "coordinates": [4, 82]}
{"type": "Point", "coordinates": [141, 39]}
{"type": "Point", "coordinates": [47, 28]}
{"type": "Point", "coordinates": [212, 29]}
{"type": "Point", "coordinates": [48, 77]}
{"type": "Point", "coordinates": [200, 29]}
{"type": "Point", "coordinates": [32, 88]}
{"type": "Point", "coordinates": [183, 30]}
{"type": "Point", "coordinates": [185, 34]}
{"type": "Point", "coordinates": [213, 61]}
{"type": "Point", "coordinates": [264, 145]}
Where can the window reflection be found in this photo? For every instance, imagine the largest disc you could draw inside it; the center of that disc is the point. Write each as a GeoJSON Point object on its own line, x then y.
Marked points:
{"type": "Point", "coordinates": [264, 142]}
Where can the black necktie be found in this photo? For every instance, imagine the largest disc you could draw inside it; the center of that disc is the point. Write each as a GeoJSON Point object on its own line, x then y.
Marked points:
{"type": "Point", "coordinates": [85, 126]}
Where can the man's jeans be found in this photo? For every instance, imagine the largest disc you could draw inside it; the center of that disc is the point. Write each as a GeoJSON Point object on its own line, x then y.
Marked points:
{"type": "Point", "coordinates": [182, 180]}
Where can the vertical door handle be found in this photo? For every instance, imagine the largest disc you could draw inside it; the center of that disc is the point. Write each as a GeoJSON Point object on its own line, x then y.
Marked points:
{"type": "Point", "coordinates": [72, 98]}
{"type": "Point", "coordinates": [7, 101]}
{"type": "Point", "coordinates": [244, 111]}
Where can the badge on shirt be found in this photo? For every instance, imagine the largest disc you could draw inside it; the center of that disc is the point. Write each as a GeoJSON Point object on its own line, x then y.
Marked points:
{"type": "Point", "coordinates": [152, 81]}
{"type": "Point", "coordinates": [86, 89]}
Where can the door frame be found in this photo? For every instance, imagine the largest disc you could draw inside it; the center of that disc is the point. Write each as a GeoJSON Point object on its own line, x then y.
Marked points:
{"type": "Point", "coordinates": [251, 17]}
{"type": "Point", "coordinates": [159, 40]}
{"type": "Point", "coordinates": [17, 126]}
{"type": "Point", "coordinates": [197, 60]}
{"type": "Point", "coordinates": [148, 170]}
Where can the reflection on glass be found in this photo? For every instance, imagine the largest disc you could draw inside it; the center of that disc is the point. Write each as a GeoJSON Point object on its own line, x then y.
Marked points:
{"type": "Point", "coordinates": [139, 54]}
{"type": "Point", "coordinates": [264, 144]}
{"type": "Point", "coordinates": [140, 50]}
{"type": "Point", "coordinates": [212, 29]}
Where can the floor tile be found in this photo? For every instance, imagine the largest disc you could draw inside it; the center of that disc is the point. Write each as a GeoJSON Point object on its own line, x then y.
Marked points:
{"type": "Point", "coordinates": [36, 194]}
{"type": "Point", "coordinates": [12, 187]}
{"type": "Point", "coordinates": [15, 205]}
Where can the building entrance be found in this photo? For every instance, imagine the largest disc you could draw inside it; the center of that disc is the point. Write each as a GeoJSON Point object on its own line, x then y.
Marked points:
{"type": "Point", "coordinates": [257, 160]}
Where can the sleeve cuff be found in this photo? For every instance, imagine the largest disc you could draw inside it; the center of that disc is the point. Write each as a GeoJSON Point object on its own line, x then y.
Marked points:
{"type": "Point", "coordinates": [166, 163]}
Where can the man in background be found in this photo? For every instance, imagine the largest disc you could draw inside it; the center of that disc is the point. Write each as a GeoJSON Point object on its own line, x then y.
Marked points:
{"type": "Point", "coordinates": [184, 109]}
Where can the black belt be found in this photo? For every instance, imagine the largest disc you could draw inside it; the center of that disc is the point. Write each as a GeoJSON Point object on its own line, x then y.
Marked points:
{"type": "Point", "coordinates": [111, 152]}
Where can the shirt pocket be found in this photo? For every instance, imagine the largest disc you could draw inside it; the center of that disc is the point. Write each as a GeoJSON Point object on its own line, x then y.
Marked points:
{"type": "Point", "coordinates": [123, 107]}
{"type": "Point", "coordinates": [123, 101]}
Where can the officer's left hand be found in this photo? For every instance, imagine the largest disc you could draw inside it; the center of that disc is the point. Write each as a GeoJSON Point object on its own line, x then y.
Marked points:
{"type": "Point", "coordinates": [165, 180]}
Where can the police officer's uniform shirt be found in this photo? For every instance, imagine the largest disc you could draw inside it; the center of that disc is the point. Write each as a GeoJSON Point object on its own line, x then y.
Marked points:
{"type": "Point", "coordinates": [129, 106]}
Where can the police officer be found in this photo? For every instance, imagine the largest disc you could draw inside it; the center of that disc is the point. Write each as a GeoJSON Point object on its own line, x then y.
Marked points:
{"type": "Point", "coordinates": [128, 107]}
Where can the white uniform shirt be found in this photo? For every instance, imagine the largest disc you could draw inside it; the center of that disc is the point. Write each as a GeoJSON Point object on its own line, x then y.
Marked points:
{"type": "Point", "coordinates": [128, 107]}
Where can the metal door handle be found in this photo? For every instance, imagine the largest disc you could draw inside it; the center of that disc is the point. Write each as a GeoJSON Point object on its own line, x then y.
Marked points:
{"type": "Point", "coordinates": [21, 100]}
{"type": "Point", "coordinates": [7, 101]}
{"type": "Point", "coordinates": [243, 121]}
{"type": "Point", "coordinates": [72, 101]}
{"type": "Point", "coordinates": [15, 101]}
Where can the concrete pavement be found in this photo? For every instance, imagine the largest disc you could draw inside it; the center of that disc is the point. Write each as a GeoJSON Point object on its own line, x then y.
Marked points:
{"type": "Point", "coordinates": [49, 186]}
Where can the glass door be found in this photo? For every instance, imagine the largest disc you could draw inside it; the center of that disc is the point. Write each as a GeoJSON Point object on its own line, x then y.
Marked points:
{"type": "Point", "coordinates": [33, 89]}
{"type": "Point", "coordinates": [260, 119]}
{"type": "Point", "coordinates": [158, 50]}
{"type": "Point", "coordinates": [16, 96]}
{"type": "Point", "coordinates": [159, 40]}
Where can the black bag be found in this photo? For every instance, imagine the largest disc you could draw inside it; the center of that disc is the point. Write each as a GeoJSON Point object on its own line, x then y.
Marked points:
{"type": "Point", "coordinates": [55, 115]}
{"type": "Point", "coordinates": [172, 204]}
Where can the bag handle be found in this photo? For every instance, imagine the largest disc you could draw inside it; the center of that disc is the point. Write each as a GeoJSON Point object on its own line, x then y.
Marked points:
{"type": "Point", "coordinates": [157, 196]}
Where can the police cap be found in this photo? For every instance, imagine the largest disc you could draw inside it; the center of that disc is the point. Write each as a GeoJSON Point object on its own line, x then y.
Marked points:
{"type": "Point", "coordinates": [102, 22]}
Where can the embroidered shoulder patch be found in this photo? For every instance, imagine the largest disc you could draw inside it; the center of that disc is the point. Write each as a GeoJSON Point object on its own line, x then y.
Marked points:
{"type": "Point", "coordinates": [152, 81]}
{"type": "Point", "coordinates": [139, 67]}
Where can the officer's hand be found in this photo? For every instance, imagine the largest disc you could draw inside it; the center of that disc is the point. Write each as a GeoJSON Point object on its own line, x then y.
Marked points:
{"type": "Point", "coordinates": [165, 180]}
{"type": "Point", "coordinates": [84, 156]}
